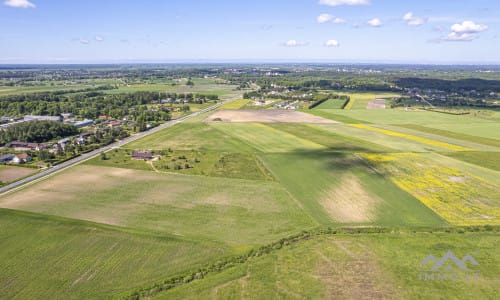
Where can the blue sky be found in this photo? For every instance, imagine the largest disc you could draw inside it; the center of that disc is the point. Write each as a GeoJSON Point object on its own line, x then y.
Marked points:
{"type": "Point", "coordinates": [107, 31]}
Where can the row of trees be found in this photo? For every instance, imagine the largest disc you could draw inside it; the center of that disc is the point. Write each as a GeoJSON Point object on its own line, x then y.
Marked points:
{"type": "Point", "coordinates": [36, 131]}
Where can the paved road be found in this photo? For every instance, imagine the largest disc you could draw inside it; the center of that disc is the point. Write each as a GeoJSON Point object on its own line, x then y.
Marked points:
{"type": "Point", "coordinates": [89, 155]}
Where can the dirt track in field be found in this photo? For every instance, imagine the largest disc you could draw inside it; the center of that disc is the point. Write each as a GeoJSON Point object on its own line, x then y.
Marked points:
{"type": "Point", "coordinates": [266, 116]}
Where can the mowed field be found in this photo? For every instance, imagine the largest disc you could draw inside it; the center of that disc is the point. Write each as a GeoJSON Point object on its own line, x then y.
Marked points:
{"type": "Point", "coordinates": [259, 182]}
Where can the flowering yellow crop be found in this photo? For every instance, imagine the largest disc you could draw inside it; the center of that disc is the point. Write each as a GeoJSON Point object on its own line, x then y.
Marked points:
{"type": "Point", "coordinates": [413, 138]}
{"type": "Point", "coordinates": [458, 197]}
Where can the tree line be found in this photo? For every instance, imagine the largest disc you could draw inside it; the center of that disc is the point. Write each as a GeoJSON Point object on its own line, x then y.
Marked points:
{"type": "Point", "coordinates": [36, 131]}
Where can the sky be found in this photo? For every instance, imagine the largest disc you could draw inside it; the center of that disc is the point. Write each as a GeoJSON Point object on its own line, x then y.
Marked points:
{"type": "Point", "coordinates": [342, 31]}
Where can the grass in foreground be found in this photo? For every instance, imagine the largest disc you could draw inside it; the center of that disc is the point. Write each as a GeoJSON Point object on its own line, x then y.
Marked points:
{"type": "Point", "coordinates": [365, 266]}
{"type": "Point", "coordinates": [45, 257]}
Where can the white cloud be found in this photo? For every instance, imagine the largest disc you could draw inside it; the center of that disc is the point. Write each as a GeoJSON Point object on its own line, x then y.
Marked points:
{"type": "Point", "coordinates": [468, 27]}
{"type": "Point", "coordinates": [412, 20]}
{"type": "Point", "coordinates": [19, 3]}
{"type": "Point", "coordinates": [460, 37]}
{"type": "Point", "coordinates": [343, 2]}
{"type": "Point", "coordinates": [375, 22]}
{"type": "Point", "coordinates": [99, 38]}
{"type": "Point", "coordinates": [464, 32]}
{"type": "Point", "coordinates": [294, 43]}
{"type": "Point", "coordinates": [332, 43]}
{"type": "Point", "coordinates": [84, 41]}
{"type": "Point", "coordinates": [327, 18]}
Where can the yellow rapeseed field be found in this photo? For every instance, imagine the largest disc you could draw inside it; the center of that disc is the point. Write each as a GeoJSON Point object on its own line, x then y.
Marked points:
{"type": "Point", "coordinates": [458, 197]}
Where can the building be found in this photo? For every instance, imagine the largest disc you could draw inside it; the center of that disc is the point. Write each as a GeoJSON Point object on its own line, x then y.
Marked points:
{"type": "Point", "coordinates": [142, 155]}
{"type": "Point", "coordinates": [43, 118]}
{"type": "Point", "coordinates": [21, 158]}
{"type": "Point", "coordinates": [6, 158]}
{"type": "Point", "coordinates": [84, 123]}
{"type": "Point", "coordinates": [23, 146]}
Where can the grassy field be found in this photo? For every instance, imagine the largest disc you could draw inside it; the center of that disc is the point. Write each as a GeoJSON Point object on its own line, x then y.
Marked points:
{"type": "Point", "coordinates": [485, 159]}
{"type": "Point", "coordinates": [454, 135]}
{"type": "Point", "coordinates": [265, 138]}
{"type": "Point", "coordinates": [331, 104]}
{"type": "Point", "coordinates": [244, 185]}
{"type": "Point", "coordinates": [44, 257]}
{"type": "Point", "coordinates": [191, 136]}
{"type": "Point", "coordinates": [360, 100]}
{"type": "Point", "coordinates": [340, 188]}
{"type": "Point", "coordinates": [384, 266]}
{"type": "Point", "coordinates": [194, 162]}
{"type": "Point", "coordinates": [236, 104]}
{"type": "Point", "coordinates": [233, 211]}
{"type": "Point", "coordinates": [334, 141]}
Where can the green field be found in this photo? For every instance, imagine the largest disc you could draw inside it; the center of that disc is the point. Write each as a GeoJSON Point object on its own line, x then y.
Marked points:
{"type": "Point", "coordinates": [219, 190]}
{"type": "Point", "coordinates": [233, 211]}
{"type": "Point", "coordinates": [331, 104]}
{"type": "Point", "coordinates": [44, 257]}
{"type": "Point", "coordinates": [382, 266]}
{"type": "Point", "coordinates": [360, 100]}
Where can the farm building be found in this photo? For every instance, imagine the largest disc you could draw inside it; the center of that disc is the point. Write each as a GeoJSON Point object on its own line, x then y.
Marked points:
{"type": "Point", "coordinates": [6, 157]}
{"type": "Point", "coordinates": [43, 118]}
{"type": "Point", "coordinates": [84, 123]}
{"type": "Point", "coordinates": [23, 146]}
{"type": "Point", "coordinates": [21, 158]}
{"type": "Point", "coordinates": [142, 155]}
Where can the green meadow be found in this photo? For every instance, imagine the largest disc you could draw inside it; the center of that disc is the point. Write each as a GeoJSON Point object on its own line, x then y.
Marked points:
{"type": "Point", "coordinates": [222, 191]}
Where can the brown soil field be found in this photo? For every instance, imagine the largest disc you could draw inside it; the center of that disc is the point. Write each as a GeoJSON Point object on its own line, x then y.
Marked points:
{"type": "Point", "coordinates": [376, 104]}
{"type": "Point", "coordinates": [350, 202]}
{"type": "Point", "coordinates": [11, 173]}
{"type": "Point", "coordinates": [266, 116]}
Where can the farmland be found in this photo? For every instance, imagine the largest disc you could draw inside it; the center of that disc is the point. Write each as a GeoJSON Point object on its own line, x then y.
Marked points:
{"type": "Point", "coordinates": [369, 264]}
{"type": "Point", "coordinates": [251, 201]}
{"type": "Point", "coordinates": [12, 173]}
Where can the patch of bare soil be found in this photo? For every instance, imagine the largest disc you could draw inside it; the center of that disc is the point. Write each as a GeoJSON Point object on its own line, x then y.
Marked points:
{"type": "Point", "coordinates": [266, 116]}
{"type": "Point", "coordinates": [9, 174]}
{"type": "Point", "coordinates": [376, 104]}
{"type": "Point", "coordinates": [350, 202]}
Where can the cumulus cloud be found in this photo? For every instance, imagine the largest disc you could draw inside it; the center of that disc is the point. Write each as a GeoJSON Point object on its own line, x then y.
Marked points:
{"type": "Point", "coordinates": [327, 18]}
{"type": "Point", "coordinates": [84, 41]}
{"type": "Point", "coordinates": [343, 2]}
{"type": "Point", "coordinates": [294, 43]}
{"type": "Point", "coordinates": [468, 27]}
{"type": "Point", "coordinates": [99, 38]}
{"type": "Point", "coordinates": [332, 43]}
{"type": "Point", "coordinates": [375, 22]}
{"type": "Point", "coordinates": [412, 20]}
{"type": "Point", "coordinates": [464, 32]}
{"type": "Point", "coordinates": [460, 37]}
{"type": "Point", "coordinates": [19, 3]}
